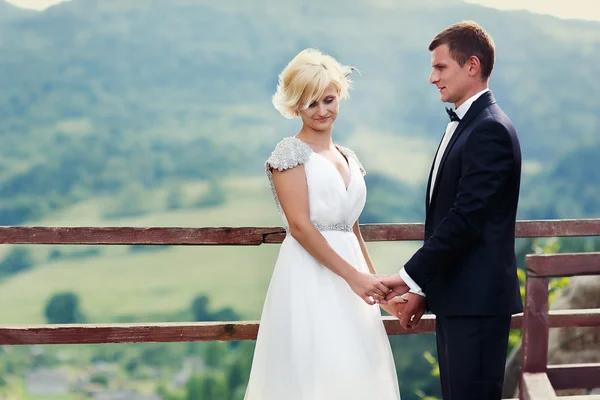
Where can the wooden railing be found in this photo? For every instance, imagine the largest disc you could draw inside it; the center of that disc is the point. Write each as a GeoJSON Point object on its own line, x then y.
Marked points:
{"type": "Point", "coordinates": [540, 380]}
{"type": "Point", "coordinates": [240, 330]}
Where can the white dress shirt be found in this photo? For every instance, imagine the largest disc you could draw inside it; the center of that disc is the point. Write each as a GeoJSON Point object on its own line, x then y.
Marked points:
{"type": "Point", "coordinates": [450, 128]}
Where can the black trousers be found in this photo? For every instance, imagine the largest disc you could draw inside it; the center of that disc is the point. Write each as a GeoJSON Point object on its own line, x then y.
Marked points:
{"type": "Point", "coordinates": [472, 355]}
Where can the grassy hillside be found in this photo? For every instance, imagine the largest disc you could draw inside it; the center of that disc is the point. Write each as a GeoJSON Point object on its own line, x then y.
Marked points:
{"type": "Point", "coordinates": [118, 282]}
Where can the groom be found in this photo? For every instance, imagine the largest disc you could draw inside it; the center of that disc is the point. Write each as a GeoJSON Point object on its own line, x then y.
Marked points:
{"type": "Point", "coordinates": [466, 272]}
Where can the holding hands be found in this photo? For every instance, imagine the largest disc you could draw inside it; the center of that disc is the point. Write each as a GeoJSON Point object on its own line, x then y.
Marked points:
{"type": "Point", "coordinates": [392, 293]}
{"type": "Point", "coordinates": [367, 287]}
{"type": "Point", "coordinates": [408, 307]}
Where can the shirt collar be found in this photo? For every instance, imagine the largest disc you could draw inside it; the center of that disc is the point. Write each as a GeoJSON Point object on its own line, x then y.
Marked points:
{"type": "Point", "coordinates": [462, 110]}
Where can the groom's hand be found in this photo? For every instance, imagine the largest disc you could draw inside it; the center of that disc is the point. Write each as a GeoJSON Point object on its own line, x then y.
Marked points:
{"type": "Point", "coordinates": [396, 285]}
{"type": "Point", "coordinates": [395, 306]}
{"type": "Point", "coordinates": [412, 312]}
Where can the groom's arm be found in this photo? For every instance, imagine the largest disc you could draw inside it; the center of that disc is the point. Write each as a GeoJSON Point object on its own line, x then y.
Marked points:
{"type": "Point", "coordinates": [487, 163]}
{"type": "Point", "coordinates": [414, 287]}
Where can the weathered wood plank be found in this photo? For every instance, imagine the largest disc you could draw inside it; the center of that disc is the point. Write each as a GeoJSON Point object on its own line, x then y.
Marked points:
{"type": "Point", "coordinates": [565, 318]}
{"type": "Point", "coordinates": [537, 387]}
{"type": "Point", "coordinates": [255, 235]}
{"type": "Point", "coordinates": [121, 236]}
{"type": "Point", "coordinates": [565, 264]}
{"type": "Point", "coordinates": [535, 325]}
{"type": "Point", "coordinates": [127, 333]}
{"type": "Point", "coordinates": [219, 331]}
{"type": "Point", "coordinates": [558, 227]}
{"type": "Point", "coordinates": [574, 376]}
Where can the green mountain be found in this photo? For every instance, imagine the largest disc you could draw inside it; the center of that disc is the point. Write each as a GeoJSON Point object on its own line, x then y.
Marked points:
{"type": "Point", "coordinates": [568, 190]}
{"type": "Point", "coordinates": [99, 94]}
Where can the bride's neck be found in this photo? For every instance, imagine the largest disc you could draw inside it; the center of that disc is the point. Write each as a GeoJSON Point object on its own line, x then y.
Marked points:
{"type": "Point", "coordinates": [317, 140]}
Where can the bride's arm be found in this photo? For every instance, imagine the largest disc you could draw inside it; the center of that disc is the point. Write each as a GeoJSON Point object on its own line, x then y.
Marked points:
{"type": "Point", "coordinates": [390, 307]}
{"type": "Point", "coordinates": [292, 192]}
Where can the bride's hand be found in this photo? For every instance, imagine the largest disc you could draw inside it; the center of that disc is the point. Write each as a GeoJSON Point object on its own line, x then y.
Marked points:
{"type": "Point", "coordinates": [367, 287]}
{"type": "Point", "coordinates": [395, 306]}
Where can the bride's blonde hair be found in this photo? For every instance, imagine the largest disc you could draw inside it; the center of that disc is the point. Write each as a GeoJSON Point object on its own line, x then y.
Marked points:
{"type": "Point", "coordinates": [306, 78]}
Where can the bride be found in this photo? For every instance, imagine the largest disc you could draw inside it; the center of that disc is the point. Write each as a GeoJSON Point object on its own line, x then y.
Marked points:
{"type": "Point", "coordinates": [320, 336]}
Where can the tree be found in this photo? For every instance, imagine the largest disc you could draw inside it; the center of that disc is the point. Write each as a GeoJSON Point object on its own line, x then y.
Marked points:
{"type": "Point", "coordinates": [211, 386]}
{"type": "Point", "coordinates": [100, 379]}
{"type": "Point", "coordinates": [235, 377]}
{"type": "Point", "coordinates": [200, 308]}
{"type": "Point", "coordinates": [63, 308]}
{"type": "Point", "coordinates": [194, 388]}
{"type": "Point", "coordinates": [215, 354]}
{"type": "Point", "coordinates": [225, 314]}
{"type": "Point", "coordinates": [19, 259]}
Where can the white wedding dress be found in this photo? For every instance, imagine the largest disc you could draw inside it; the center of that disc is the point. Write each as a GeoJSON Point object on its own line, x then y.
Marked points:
{"type": "Point", "coordinates": [317, 339]}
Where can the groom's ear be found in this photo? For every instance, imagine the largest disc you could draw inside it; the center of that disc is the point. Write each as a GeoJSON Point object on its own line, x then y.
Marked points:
{"type": "Point", "coordinates": [473, 65]}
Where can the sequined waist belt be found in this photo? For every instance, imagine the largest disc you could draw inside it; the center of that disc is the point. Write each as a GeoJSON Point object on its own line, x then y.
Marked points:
{"type": "Point", "coordinates": [340, 227]}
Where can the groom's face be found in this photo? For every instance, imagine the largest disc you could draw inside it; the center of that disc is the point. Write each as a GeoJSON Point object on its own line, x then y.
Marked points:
{"type": "Point", "coordinates": [448, 76]}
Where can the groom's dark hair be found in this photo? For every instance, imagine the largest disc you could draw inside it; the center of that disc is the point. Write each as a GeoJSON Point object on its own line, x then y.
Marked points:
{"type": "Point", "coordinates": [466, 39]}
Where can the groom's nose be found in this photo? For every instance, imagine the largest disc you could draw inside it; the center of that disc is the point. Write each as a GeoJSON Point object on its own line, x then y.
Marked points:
{"type": "Point", "coordinates": [434, 77]}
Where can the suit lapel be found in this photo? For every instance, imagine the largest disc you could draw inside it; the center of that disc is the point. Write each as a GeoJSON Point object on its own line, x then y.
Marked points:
{"type": "Point", "coordinates": [484, 101]}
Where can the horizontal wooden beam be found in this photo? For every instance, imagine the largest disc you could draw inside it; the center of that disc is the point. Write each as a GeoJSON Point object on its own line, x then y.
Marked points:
{"type": "Point", "coordinates": [583, 318]}
{"type": "Point", "coordinates": [558, 228]}
{"type": "Point", "coordinates": [127, 236]}
{"type": "Point", "coordinates": [537, 387]}
{"type": "Point", "coordinates": [565, 264]}
{"type": "Point", "coordinates": [218, 331]}
{"type": "Point", "coordinates": [255, 235]}
{"type": "Point", "coordinates": [574, 376]}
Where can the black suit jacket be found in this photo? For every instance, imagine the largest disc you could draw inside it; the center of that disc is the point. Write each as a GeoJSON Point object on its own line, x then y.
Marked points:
{"type": "Point", "coordinates": [467, 264]}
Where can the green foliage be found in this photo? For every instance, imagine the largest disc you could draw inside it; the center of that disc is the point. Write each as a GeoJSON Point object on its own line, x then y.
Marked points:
{"type": "Point", "coordinates": [567, 189]}
{"type": "Point", "coordinates": [236, 377]}
{"type": "Point", "coordinates": [123, 103]}
{"type": "Point", "coordinates": [210, 386]}
{"type": "Point", "coordinates": [215, 353]}
{"type": "Point", "coordinates": [63, 308]}
{"type": "Point", "coordinates": [435, 371]}
{"type": "Point", "coordinates": [200, 308]}
{"type": "Point", "coordinates": [200, 311]}
{"type": "Point", "coordinates": [99, 379]}
{"type": "Point", "coordinates": [214, 196]}
{"type": "Point", "coordinates": [132, 201]}
{"type": "Point", "coordinates": [165, 394]}
{"type": "Point", "coordinates": [390, 200]}
{"type": "Point", "coordinates": [413, 368]}
{"type": "Point", "coordinates": [144, 248]}
{"type": "Point", "coordinates": [549, 246]}
{"type": "Point", "coordinates": [18, 260]}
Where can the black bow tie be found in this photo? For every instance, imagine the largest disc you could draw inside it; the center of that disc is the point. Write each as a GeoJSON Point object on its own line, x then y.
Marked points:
{"type": "Point", "coordinates": [452, 115]}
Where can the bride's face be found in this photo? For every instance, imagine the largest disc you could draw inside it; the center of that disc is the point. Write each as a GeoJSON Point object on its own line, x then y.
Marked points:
{"type": "Point", "coordinates": [321, 114]}
{"type": "Point", "coordinates": [448, 76]}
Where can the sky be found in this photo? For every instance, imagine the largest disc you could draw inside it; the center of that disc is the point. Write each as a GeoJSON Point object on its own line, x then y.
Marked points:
{"type": "Point", "coordinates": [572, 9]}
{"type": "Point", "coordinates": [577, 9]}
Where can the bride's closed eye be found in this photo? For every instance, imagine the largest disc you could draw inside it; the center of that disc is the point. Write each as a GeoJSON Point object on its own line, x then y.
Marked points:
{"type": "Point", "coordinates": [328, 100]}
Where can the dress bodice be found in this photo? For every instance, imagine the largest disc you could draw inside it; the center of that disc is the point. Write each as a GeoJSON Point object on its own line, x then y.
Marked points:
{"type": "Point", "coordinates": [332, 205]}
